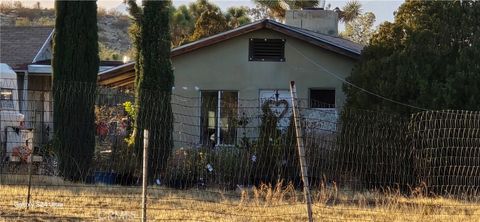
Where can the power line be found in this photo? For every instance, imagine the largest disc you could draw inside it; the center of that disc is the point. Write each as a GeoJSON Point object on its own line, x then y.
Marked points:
{"type": "Point", "coordinates": [351, 84]}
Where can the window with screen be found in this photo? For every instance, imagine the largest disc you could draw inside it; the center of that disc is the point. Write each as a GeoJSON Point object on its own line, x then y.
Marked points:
{"type": "Point", "coordinates": [268, 50]}
{"type": "Point", "coordinates": [218, 118]}
{"type": "Point", "coordinates": [322, 98]}
{"type": "Point", "coordinates": [6, 99]}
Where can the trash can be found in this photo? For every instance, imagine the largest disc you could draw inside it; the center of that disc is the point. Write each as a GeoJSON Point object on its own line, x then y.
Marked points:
{"type": "Point", "coordinates": [105, 177]}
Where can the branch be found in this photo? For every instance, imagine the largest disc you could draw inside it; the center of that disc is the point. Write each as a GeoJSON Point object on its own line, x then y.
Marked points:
{"type": "Point", "coordinates": [135, 11]}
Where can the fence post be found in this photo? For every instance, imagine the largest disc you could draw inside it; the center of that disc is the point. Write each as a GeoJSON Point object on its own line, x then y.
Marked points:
{"type": "Point", "coordinates": [30, 164]}
{"type": "Point", "coordinates": [301, 150]}
{"type": "Point", "coordinates": [29, 177]}
{"type": "Point", "coordinates": [145, 175]}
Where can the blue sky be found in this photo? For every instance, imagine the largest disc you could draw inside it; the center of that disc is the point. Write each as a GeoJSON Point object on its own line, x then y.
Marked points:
{"type": "Point", "coordinates": [383, 9]}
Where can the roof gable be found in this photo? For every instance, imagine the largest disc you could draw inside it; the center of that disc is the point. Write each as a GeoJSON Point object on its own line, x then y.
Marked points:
{"type": "Point", "coordinates": [20, 45]}
{"type": "Point", "coordinates": [124, 74]}
{"type": "Point", "coordinates": [336, 44]}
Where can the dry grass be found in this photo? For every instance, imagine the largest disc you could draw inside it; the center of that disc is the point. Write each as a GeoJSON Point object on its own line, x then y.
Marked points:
{"type": "Point", "coordinates": [265, 203]}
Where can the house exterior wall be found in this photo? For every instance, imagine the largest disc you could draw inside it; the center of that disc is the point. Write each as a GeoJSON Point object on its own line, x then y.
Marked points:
{"type": "Point", "coordinates": [38, 108]}
{"type": "Point", "coordinates": [225, 66]}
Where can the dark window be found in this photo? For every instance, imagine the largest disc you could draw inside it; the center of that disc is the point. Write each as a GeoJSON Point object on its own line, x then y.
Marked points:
{"type": "Point", "coordinates": [322, 98]}
{"type": "Point", "coordinates": [272, 50]}
{"type": "Point", "coordinates": [218, 116]}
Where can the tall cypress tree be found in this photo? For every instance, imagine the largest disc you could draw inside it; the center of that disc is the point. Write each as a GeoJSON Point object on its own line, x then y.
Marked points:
{"type": "Point", "coordinates": [154, 82]}
{"type": "Point", "coordinates": [75, 68]}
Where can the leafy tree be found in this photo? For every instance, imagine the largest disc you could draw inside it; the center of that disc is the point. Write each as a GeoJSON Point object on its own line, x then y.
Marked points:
{"type": "Point", "coordinates": [154, 82]}
{"type": "Point", "coordinates": [200, 6]}
{"type": "Point", "coordinates": [260, 12]}
{"type": "Point", "coordinates": [360, 29]}
{"type": "Point", "coordinates": [277, 8]}
{"type": "Point", "coordinates": [209, 22]}
{"type": "Point", "coordinates": [75, 68]}
{"type": "Point", "coordinates": [358, 25]}
{"type": "Point", "coordinates": [188, 24]}
{"type": "Point", "coordinates": [202, 19]}
{"type": "Point", "coordinates": [427, 58]}
{"type": "Point", "coordinates": [182, 25]}
{"type": "Point", "coordinates": [237, 16]}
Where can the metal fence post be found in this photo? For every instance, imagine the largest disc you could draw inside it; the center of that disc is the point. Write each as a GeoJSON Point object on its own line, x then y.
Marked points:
{"type": "Point", "coordinates": [30, 165]}
{"type": "Point", "coordinates": [301, 150]}
{"type": "Point", "coordinates": [145, 175]}
{"type": "Point", "coordinates": [29, 179]}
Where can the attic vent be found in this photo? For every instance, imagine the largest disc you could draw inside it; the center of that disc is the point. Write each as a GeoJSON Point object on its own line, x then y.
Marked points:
{"type": "Point", "coordinates": [272, 50]}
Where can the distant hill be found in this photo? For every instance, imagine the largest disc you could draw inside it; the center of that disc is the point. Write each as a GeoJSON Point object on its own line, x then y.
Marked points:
{"type": "Point", "coordinates": [122, 8]}
{"type": "Point", "coordinates": [112, 26]}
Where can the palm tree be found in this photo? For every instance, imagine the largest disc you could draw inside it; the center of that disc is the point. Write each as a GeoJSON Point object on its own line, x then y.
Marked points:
{"type": "Point", "coordinates": [277, 8]}
{"type": "Point", "coordinates": [237, 16]}
{"type": "Point", "coordinates": [349, 11]}
{"type": "Point", "coordinates": [200, 6]}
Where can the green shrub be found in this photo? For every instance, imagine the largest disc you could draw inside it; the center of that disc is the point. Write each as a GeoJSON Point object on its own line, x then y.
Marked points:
{"type": "Point", "coordinates": [232, 166]}
{"type": "Point", "coordinates": [373, 151]}
{"type": "Point", "coordinates": [188, 167]}
{"type": "Point", "coordinates": [275, 151]}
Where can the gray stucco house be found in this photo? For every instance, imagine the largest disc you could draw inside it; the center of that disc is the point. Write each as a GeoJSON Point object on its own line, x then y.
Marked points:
{"type": "Point", "coordinates": [28, 51]}
{"type": "Point", "coordinates": [250, 63]}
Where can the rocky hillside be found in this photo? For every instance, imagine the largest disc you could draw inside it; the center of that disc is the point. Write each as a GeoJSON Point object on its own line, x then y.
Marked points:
{"type": "Point", "coordinates": [113, 33]}
{"type": "Point", "coordinates": [112, 28]}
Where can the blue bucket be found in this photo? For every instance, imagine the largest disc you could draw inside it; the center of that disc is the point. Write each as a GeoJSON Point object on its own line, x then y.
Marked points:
{"type": "Point", "coordinates": [105, 177]}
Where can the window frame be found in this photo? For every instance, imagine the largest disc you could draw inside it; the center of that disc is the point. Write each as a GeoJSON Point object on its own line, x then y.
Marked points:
{"type": "Point", "coordinates": [251, 47]}
{"type": "Point", "coordinates": [218, 127]}
{"type": "Point", "coordinates": [322, 88]}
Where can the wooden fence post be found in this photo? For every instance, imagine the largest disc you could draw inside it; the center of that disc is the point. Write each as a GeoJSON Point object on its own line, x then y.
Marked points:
{"type": "Point", "coordinates": [301, 150]}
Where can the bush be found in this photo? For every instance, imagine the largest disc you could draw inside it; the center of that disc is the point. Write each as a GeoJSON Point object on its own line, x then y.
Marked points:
{"type": "Point", "coordinates": [223, 167]}
{"type": "Point", "coordinates": [232, 166]}
{"type": "Point", "coordinates": [188, 167]}
{"type": "Point", "coordinates": [320, 157]}
{"type": "Point", "coordinates": [275, 152]}
{"type": "Point", "coordinates": [373, 151]}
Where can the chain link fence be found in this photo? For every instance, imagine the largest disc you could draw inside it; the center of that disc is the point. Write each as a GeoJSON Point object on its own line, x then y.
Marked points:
{"type": "Point", "coordinates": [235, 159]}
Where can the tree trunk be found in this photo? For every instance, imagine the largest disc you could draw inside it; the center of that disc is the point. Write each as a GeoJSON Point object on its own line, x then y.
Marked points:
{"type": "Point", "coordinates": [75, 69]}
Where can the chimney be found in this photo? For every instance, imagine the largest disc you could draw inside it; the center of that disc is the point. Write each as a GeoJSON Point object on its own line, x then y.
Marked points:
{"type": "Point", "coordinates": [314, 19]}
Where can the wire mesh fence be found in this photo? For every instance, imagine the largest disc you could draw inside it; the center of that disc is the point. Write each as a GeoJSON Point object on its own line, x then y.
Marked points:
{"type": "Point", "coordinates": [230, 158]}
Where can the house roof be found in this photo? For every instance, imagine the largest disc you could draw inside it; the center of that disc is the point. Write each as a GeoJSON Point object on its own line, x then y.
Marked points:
{"type": "Point", "coordinates": [20, 45]}
{"type": "Point", "coordinates": [332, 43]}
{"type": "Point", "coordinates": [114, 77]}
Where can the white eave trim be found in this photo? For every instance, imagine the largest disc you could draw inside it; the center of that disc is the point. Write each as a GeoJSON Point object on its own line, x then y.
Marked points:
{"type": "Point", "coordinates": [113, 68]}
{"type": "Point", "coordinates": [45, 44]}
{"type": "Point", "coordinates": [47, 69]}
